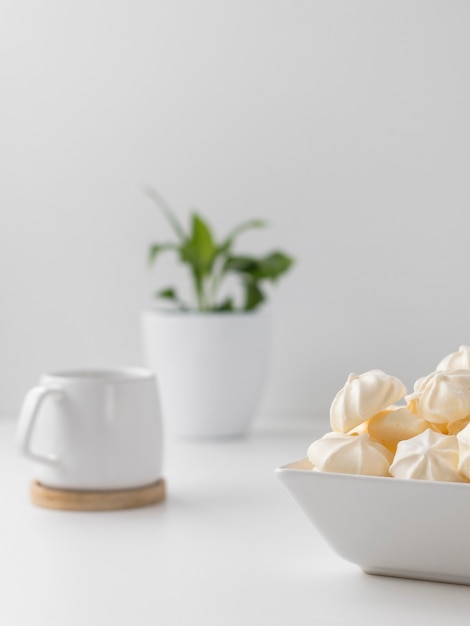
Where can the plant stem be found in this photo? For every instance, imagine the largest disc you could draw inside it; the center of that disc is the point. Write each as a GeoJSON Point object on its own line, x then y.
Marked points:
{"type": "Point", "coordinates": [207, 295]}
{"type": "Point", "coordinates": [166, 210]}
{"type": "Point", "coordinates": [217, 276]}
{"type": "Point", "coordinates": [198, 290]}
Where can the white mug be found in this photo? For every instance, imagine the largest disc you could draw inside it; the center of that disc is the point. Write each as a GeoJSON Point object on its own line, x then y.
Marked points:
{"type": "Point", "coordinates": [93, 429]}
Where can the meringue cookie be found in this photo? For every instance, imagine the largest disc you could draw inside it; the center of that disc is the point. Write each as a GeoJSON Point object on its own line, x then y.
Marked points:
{"type": "Point", "coordinates": [413, 398]}
{"type": "Point", "coordinates": [444, 396]}
{"type": "Point", "coordinates": [456, 360]}
{"type": "Point", "coordinates": [428, 456]}
{"type": "Point", "coordinates": [391, 426]}
{"type": "Point", "coordinates": [421, 382]}
{"type": "Point", "coordinates": [457, 426]}
{"type": "Point", "coordinates": [359, 430]}
{"type": "Point", "coordinates": [463, 438]}
{"type": "Point", "coordinates": [362, 397]}
{"type": "Point", "coordinates": [364, 427]}
{"type": "Point", "coordinates": [412, 402]}
{"type": "Point", "coordinates": [350, 454]}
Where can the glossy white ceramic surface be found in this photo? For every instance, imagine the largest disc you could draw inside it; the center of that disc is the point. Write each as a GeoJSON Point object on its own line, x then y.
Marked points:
{"type": "Point", "coordinates": [406, 528]}
{"type": "Point", "coordinates": [93, 429]}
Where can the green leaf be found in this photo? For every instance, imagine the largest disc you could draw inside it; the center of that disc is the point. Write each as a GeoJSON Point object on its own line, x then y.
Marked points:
{"type": "Point", "coordinates": [272, 266]}
{"type": "Point", "coordinates": [269, 267]}
{"type": "Point", "coordinates": [226, 305]}
{"type": "Point", "coordinates": [199, 250]}
{"type": "Point", "coordinates": [169, 293]}
{"type": "Point", "coordinates": [225, 247]}
{"type": "Point", "coordinates": [203, 242]}
{"type": "Point", "coordinates": [241, 264]}
{"type": "Point", "coordinates": [253, 296]}
{"type": "Point", "coordinates": [156, 248]}
{"type": "Point", "coordinates": [165, 208]}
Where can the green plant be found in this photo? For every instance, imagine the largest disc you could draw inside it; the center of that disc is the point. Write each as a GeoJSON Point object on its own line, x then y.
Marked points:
{"type": "Point", "coordinates": [210, 262]}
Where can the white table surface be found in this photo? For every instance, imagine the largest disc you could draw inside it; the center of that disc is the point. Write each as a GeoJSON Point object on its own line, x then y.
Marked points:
{"type": "Point", "coordinates": [228, 547]}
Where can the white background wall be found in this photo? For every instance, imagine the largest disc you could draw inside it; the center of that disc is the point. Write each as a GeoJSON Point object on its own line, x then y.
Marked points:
{"type": "Point", "coordinates": [345, 123]}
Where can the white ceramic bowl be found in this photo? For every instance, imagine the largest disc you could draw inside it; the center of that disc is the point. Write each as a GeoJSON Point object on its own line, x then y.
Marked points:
{"type": "Point", "coordinates": [388, 526]}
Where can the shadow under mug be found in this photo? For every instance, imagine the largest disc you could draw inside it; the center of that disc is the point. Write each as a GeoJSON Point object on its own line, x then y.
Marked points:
{"type": "Point", "coordinates": [93, 429]}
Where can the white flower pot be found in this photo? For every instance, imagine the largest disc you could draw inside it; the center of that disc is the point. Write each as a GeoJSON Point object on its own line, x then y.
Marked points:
{"type": "Point", "coordinates": [210, 369]}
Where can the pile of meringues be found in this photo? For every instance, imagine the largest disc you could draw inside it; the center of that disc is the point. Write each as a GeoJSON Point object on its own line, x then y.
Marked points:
{"type": "Point", "coordinates": [427, 438]}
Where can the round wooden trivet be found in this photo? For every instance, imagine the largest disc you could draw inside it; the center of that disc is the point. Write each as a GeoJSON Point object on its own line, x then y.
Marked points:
{"type": "Point", "coordinates": [69, 500]}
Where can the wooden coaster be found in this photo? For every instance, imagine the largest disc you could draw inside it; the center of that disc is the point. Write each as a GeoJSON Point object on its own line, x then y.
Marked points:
{"type": "Point", "coordinates": [69, 500]}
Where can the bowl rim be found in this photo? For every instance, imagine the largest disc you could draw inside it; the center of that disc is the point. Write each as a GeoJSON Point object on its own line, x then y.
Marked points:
{"type": "Point", "coordinates": [304, 467]}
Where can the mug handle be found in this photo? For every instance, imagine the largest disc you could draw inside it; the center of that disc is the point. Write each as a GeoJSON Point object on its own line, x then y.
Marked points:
{"type": "Point", "coordinates": [28, 415]}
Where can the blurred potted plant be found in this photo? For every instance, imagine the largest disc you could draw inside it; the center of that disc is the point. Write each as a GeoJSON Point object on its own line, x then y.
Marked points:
{"type": "Point", "coordinates": [210, 355]}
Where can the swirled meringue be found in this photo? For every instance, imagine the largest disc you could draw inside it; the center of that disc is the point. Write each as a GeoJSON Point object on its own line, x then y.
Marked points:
{"type": "Point", "coordinates": [456, 427]}
{"type": "Point", "coordinates": [412, 400]}
{"type": "Point", "coordinates": [444, 396]}
{"type": "Point", "coordinates": [391, 426]}
{"type": "Point", "coordinates": [350, 454]}
{"type": "Point", "coordinates": [463, 438]}
{"type": "Point", "coordinates": [428, 456]}
{"type": "Point", "coordinates": [421, 383]}
{"type": "Point", "coordinates": [456, 360]}
{"type": "Point", "coordinates": [362, 397]}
